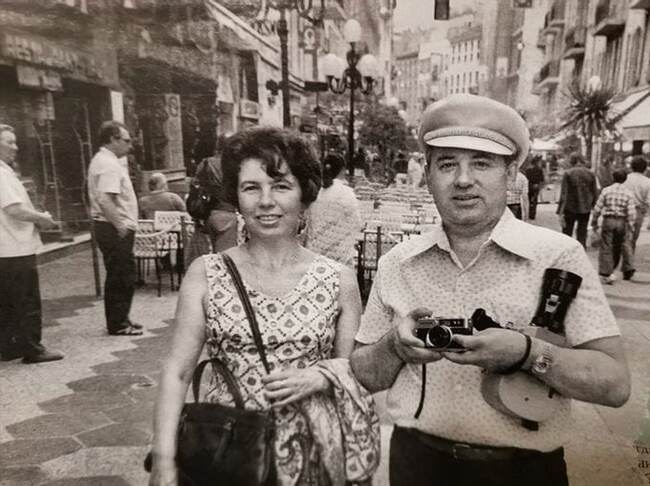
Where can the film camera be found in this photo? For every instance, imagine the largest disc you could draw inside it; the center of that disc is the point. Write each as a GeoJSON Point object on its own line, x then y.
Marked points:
{"type": "Point", "coordinates": [437, 332]}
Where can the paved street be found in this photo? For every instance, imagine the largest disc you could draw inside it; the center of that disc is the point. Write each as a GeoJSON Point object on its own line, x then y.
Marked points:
{"type": "Point", "coordinates": [86, 420]}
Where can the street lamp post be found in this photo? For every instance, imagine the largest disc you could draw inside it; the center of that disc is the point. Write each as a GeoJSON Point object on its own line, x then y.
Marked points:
{"type": "Point", "coordinates": [359, 74]}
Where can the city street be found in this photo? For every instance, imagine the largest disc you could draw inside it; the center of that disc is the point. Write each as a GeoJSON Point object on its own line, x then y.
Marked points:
{"type": "Point", "coordinates": [87, 420]}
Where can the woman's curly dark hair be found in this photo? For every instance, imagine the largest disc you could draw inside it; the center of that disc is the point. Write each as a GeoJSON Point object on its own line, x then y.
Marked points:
{"type": "Point", "coordinates": [274, 147]}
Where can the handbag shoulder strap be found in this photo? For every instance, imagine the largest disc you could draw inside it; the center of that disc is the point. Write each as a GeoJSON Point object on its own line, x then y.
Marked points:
{"type": "Point", "coordinates": [220, 368]}
{"type": "Point", "coordinates": [248, 308]}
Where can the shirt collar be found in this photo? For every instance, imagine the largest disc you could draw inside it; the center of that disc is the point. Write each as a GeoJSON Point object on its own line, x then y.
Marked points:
{"type": "Point", "coordinates": [506, 234]}
{"type": "Point", "coordinates": [4, 165]}
{"type": "Point", "coordinates": [123, 161]}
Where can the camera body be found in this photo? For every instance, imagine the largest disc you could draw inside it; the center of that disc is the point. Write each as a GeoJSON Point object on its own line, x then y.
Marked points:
{"type": "Point", "coordinates": [437, 332]}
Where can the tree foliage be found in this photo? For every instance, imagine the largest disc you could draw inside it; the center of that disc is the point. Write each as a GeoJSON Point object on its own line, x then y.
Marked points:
{"type": "Point", "coordinates": [383, 128]}
{"type": "Point", "coordinates": [590, 112]}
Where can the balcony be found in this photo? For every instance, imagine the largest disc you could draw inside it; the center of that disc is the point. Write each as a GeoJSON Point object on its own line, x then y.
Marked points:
{"type": "Point", "coordinates": [574, 42]}
{"type": "Point", "coordinates": [609, 22]}
{"type": "Point", "coordinates": [554, 18]}
{"type": "Point", "coordinates": [549, 75]}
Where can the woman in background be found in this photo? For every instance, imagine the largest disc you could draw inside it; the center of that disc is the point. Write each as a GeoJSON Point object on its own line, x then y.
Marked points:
{"type": "Point", "coordinates": [334, 220]}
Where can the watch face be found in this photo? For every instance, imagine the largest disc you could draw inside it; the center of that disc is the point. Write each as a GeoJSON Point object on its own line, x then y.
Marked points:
{"type": "Point", "coordinates": [542, 363]}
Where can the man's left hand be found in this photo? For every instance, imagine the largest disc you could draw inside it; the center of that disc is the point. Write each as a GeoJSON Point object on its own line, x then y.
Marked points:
{"type": "Point", "coordinates": [493, 349]}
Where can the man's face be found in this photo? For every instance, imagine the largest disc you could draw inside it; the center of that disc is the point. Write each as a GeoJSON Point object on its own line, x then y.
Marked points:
{"type": "Point", "coordinates": [121, 146]}
{"type": "Point", "coordinates": [8, 147]}
{"type": "Point", "coordinates": [469, 187]}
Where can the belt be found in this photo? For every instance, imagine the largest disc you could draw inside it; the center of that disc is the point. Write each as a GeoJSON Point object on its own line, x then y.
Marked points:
{"type": "Point", "coordinates": [475, 452]}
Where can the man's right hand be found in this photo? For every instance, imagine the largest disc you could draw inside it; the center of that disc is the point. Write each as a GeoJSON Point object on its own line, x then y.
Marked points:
{"type": "Point", "coordinates": [46, 221]}
{"type": "Point", "coordinates": [406, 346]}
{"type": "Point", "coordinates": [122, 231]}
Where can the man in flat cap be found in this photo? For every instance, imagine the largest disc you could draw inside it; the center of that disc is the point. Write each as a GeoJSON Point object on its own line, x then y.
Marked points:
{"type": "Point", "coordinates": [482, 257]}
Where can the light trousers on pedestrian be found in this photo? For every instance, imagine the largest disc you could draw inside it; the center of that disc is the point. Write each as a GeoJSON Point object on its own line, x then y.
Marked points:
{"type": "Point", "coordinates": [615, 245]}
{"type": "Point", "coordinates": [638, 223]}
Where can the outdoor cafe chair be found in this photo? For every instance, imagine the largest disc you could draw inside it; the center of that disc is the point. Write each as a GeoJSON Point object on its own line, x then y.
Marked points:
{"type": "Point", "coordinates": [153, 246]}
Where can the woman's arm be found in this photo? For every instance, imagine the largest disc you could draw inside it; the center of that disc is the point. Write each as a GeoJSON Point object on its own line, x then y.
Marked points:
{"type": "Point", "coordinates": [291, 385]}
{"type": "Point", "coordinates": [350, 316]}
{"type": "Point", "coordinates": [187, 343]}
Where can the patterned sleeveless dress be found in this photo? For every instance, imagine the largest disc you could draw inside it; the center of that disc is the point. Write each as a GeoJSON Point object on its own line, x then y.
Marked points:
{"type": "Point", "coordinates": [297, 329]}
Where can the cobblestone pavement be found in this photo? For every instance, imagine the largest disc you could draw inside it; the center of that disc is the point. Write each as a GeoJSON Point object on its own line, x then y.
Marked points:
{"type": "Point", "coordinates": [86, 420]}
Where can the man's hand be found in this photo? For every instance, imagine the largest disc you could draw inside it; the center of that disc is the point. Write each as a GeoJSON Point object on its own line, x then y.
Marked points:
{"type": "Point", "coordinates": [122, 231]}
{"type": "Point", "coordinates": [292, 385]}
{"type": "Point", "coordinates": [45, 221]}
{"type": "Point", "coordinates": [406, 346]}
{"type": "Point", "coordinates": [493, 349]}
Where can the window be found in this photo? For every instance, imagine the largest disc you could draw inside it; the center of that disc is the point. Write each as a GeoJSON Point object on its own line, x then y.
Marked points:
{"type": "Point", "coordinates": [634, 60]}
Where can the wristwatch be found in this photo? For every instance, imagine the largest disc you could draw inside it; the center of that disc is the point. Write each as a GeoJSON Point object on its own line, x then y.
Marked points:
{"type": "Point", "coordinates": [543, 361]}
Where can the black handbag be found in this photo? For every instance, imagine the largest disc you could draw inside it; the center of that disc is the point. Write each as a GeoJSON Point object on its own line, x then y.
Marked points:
{"type": "Point", "coordinates": [218, 444]}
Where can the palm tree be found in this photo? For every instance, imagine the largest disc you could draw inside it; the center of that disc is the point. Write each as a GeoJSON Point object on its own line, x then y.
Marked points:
{"type": "Point", "coordinates": [590, 113]}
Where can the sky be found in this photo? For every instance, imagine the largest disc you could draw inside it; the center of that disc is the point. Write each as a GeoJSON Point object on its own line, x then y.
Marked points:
{"type": "Point", "coordinates": [419, 13]}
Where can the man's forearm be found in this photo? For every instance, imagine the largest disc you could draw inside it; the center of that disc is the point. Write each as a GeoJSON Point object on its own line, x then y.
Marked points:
{"type": "Point", "coordinates": [376, 365]}
{"type": "Point", "coordinates": [23, 212]}
{"type": "Point", "coordinates": [109, 210]}
{"type": "Point", "coordinates": [584, 374]}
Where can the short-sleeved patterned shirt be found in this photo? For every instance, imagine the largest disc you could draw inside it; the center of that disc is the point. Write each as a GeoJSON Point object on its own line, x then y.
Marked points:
{"type": "Point", "coordinates": [504, 279]}
{"type": "Point", "coordinates": [616, 201]}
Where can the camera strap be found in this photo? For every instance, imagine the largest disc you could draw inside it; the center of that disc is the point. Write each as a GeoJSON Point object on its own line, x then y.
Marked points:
{"type": "Point", "coordinates": [422, 391]}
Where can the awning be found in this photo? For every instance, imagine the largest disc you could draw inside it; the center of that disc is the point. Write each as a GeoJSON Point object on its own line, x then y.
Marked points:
{"type": "Point", "coordinates": [636, 123]}
{"type": "Point", "coordinates": [621, 108]}
{"type": "Point", "coordinates": [544, 145]}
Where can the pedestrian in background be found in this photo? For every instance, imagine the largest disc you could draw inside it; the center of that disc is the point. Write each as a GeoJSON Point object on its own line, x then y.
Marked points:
{"type": "Point", "coordinates": [639, 184]}
{"type": "Point", "coordinates": [20, 296]}
{"type": "Point", "coordinates": [415, 170]}
{"type": "Point", "coordinates": [400, 169]}
{"type": "Point", "coordinates": [578, 195]}
{"type": "Point", "coordinates": [114, 211]}
{"type": "Point", "coordinates": [308, 310]}
{"type": "Point", "coordinates": [334, 219]}
{"type": "Point", "coordinates": [535, 175]}
{"type": "Point", "coordinates": [517, 195]}
{"type": "Point", "coordinates": [616, 204]}
{"type": "Point", "coordinates": [159, 198]}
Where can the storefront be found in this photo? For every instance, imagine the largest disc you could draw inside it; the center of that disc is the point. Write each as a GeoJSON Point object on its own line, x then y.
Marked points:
{"type": "Point", "coordinates": [56, 89]}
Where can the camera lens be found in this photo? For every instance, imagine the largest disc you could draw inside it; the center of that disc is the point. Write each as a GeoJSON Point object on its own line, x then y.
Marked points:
{"type": "Point", "coordinates": [438, 337]}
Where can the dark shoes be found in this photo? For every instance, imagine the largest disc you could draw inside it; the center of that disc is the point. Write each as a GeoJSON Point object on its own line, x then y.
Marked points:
{"type": "Point", "coordinates": [628, 275]}
{"type": "Point", "coordinates": [43, 357]}
{"type": "Point", "coordinates": [134, 324]}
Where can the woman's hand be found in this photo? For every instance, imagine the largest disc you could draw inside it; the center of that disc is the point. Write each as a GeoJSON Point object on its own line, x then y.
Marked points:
{"type": "Point", "coordinates": [289, 386]}
{"type": "Point", "coordinates": [163, 473]}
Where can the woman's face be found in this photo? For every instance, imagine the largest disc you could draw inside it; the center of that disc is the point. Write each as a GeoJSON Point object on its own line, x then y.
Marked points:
{"type": "Point", "coordinates": [270, 206]}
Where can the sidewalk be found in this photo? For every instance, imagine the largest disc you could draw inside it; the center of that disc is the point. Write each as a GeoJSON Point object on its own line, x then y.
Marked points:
{"type": "Point", "coordinates": [86, 420]}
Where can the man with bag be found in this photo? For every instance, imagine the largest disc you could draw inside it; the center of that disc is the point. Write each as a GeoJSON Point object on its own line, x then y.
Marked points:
{"type": "Point", "coordinates": [481, 257]}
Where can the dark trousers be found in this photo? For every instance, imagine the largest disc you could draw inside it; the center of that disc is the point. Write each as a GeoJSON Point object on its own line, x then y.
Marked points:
{"type": "Point", "coordinates": [120, 274]}
{"type": "Point", "coordinates": [20, 307]}
{"type": "Point", "coordinates": [570, 220]}
{"type": "Point", "coordinates": [413, 463]}
{"type": "Point", "coordinates": [533, 195]}
{"type": "Point", "coordinates": [516, 210]}
{"type": "Point", "coordinates": [615, 242]}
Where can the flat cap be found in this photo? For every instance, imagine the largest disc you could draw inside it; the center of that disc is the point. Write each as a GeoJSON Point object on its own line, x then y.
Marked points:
{"type": "Point", "coordinates": [475, 123]}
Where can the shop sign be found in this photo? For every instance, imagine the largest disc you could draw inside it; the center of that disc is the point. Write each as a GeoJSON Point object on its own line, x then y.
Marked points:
{"type": "Point", "coordinates": [31, 77]}
{"type": "Point", "coordinates": [249, 109]}
{"type": "Point", "coordinates": [45, 53]}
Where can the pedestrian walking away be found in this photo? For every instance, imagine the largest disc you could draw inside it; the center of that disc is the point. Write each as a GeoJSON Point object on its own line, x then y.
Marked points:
{"type": "Point", "coordinates": [20, 298]}
{"type": "Point", "coordinates": [114, 211]}
{"type": "Point", "coordinates": [639, 184]}
{"type": "Point", "coordinates": [617, 206]}
{"type": "Point", "coordinates": [517, 196]}
{"type": "Point", "coordinates": [535, 175]}
{"type": "Point", "coordinates": [333, 220]}
{"type": "Point", "coordinates": [307, 305]}
{"type": "Point", "coordinates": [577, 198]}
{"type": "Point", "coordinates": [480, 262]}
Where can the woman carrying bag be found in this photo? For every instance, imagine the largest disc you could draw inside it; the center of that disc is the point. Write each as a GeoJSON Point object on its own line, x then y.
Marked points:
{"type": "Point", "coordinates": [307, 307]}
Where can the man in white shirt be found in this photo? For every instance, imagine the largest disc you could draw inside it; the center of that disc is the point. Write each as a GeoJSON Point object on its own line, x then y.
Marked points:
{"type": "Point", "coordinates": [639, 185]}
{"type": "Point", "coordinates": [20, 298]}
{"type": "Point", "coordinates": [114, 211]}
{"type": "Point", "coordinates": [447, 431]}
